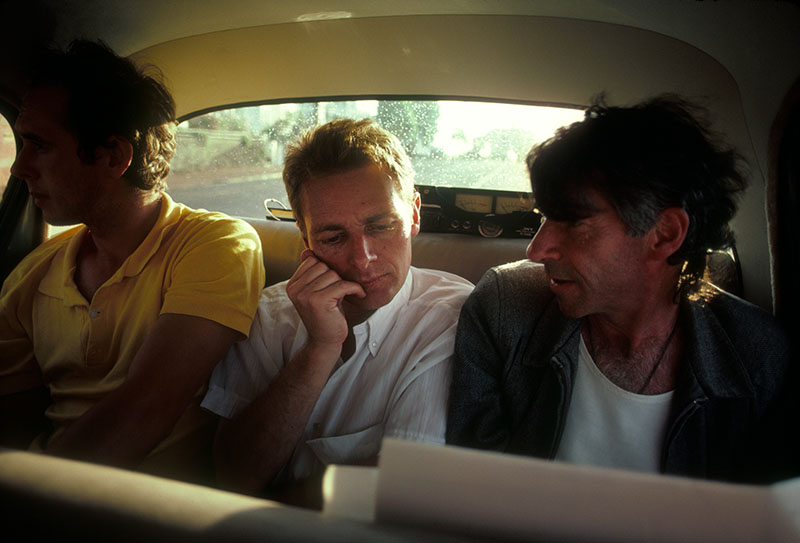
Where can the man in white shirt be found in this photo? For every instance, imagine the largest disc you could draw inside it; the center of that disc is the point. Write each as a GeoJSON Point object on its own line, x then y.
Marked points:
{"type": "Point", "coordinates": [357, 344]}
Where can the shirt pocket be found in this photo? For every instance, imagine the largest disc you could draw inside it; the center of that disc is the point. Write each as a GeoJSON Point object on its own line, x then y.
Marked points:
{"type": "Point", "coordinates": [348, 448]}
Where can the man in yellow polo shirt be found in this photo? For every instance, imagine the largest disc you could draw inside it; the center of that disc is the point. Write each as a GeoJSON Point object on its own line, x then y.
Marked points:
{"type": "Point", "coordinates": [122, 318]}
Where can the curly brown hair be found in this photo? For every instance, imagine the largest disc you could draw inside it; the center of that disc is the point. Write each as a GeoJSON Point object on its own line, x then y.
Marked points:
{"type": "Point", "coordinates": [110, 96]}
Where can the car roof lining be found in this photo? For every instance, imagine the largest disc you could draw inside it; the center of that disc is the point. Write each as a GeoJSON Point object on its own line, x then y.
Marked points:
{"type": "Point", "coordinates": [736, 57]}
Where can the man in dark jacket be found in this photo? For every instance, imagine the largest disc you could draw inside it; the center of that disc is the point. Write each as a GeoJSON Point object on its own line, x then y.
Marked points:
{"type": "Point", "coordinates": [613, 351]}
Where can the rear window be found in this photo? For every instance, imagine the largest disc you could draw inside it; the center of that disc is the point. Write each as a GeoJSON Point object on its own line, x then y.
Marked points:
{"type": "Point", "coordinates": [231, 160]}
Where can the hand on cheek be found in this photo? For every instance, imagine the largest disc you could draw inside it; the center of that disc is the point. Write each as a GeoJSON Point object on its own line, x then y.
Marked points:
{"type": "Point", "coordinates": [317, 292]}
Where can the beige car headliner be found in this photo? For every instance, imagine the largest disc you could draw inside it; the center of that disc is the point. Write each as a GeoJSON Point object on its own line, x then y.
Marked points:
{"type": "Point", "coordinates": [739, 57]}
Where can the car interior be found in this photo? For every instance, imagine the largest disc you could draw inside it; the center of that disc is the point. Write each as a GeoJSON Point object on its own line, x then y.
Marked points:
{"type": "Point", "coordinates": [738, 58]}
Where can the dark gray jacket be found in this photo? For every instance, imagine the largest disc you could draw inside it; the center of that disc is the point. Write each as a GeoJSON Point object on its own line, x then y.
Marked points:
{"type": "Point", "coordinates": [732, 417]}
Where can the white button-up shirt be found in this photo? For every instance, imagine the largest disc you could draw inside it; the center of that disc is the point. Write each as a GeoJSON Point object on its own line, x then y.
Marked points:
{"type": "Point", "coordinates": [395, 384]}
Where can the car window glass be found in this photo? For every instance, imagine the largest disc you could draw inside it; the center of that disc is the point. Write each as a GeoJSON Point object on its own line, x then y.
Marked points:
{"type": "Point", "coordinates": [231, 160]}
{"type": "Point", "coordinates": [8, 150]}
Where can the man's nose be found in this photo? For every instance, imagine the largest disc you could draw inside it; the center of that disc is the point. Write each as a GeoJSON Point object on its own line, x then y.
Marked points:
{"type": "Point", "coordinates": [544, 244]}
{"type": "Point", "coordinates": [362, 251]}
{"type": "Point", "coordinates": [20, 168]}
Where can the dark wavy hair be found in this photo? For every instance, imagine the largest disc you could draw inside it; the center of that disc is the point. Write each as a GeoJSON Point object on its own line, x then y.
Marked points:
{"type": "Point", "coordinates": [110, 96]}
{"type": "Point", "coordinates": [644, 159]}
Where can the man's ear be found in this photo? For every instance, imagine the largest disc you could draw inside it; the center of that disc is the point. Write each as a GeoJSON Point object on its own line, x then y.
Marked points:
{"type": "Point", "coordinates": [415, 218]}
{"type": "Point", "coordinates": [119, 154]}
{"type": "Point", "coordinates": [669, 232]}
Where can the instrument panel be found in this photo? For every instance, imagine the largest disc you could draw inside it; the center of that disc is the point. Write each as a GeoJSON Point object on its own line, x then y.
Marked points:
{"type": "Point", "coordinates": [483, 212]}
{"type": "Point", "coordinates": [489, 213]}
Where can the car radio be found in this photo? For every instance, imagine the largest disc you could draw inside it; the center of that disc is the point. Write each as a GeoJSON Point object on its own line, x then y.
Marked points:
{"type": "Point", "coordinates": [489, 213]}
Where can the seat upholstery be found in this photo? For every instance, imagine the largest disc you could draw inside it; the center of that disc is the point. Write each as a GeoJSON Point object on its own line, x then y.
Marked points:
{"type": "Point", "coordinates": [467, 256]}
{"type": "Point", "coordinates": [464, 255]}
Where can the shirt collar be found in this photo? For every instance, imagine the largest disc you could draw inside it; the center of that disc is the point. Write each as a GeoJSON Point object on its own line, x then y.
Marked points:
{"type": "Point", "coordinates": [381, 322]}
{"type": "Point", "coordinates": [61, 285]}
{"type": "Point", "coordinates": [167, 217]}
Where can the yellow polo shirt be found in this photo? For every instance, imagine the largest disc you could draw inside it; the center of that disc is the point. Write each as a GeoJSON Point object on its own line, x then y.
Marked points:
{"type": "Point", "coordinates": [191, 263]}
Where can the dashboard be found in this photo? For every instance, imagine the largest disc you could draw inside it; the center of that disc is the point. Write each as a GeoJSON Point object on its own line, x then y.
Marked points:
{"type": "Point", "coordinates": [488, 213]}
{"type": "Point", "coordinates": [483, 212]}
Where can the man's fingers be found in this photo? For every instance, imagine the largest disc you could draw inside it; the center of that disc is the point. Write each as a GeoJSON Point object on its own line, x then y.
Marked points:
{"type": "Point", "coordinates": [329, 286]}
{"type": "Point", "coordinates": [322, 281]}
{"type": "Point", "coordinates": [314, 277]}
{"type": "Point", "coordinates": [308, 270]}
{"type": "Point", "coordinates": [350, 288]}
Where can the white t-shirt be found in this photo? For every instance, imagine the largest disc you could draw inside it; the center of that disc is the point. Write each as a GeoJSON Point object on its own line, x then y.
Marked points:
{"type": "Point", "coordinates": [395, 384]}
{"type": "Point", "coordinates": [609, 426]}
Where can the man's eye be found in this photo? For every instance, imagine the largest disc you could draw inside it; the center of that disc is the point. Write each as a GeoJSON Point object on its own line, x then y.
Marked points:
{"type": "Point", "coordinates": [330, 240]}
{"type": "Point", "coordinates": [35, 145]}
{"type": "Point", "coordinates": [380, 227]}
{"type": "Point", "coordinates": [576, 221]}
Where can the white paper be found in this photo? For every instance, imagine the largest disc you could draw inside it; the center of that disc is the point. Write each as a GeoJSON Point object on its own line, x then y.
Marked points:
{"type": "Point", "coordinates": [349, 492]}
{"type": "Point", "coordinates": [510, 497]}
{"type": "Point", "coordinates": [783, 512]}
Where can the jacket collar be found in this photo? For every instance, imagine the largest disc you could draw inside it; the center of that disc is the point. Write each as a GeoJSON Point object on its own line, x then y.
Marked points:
{"type": "Point", "coordinates": [554, 335]}
{"type": "Point", "coordinates": [711, 367]}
